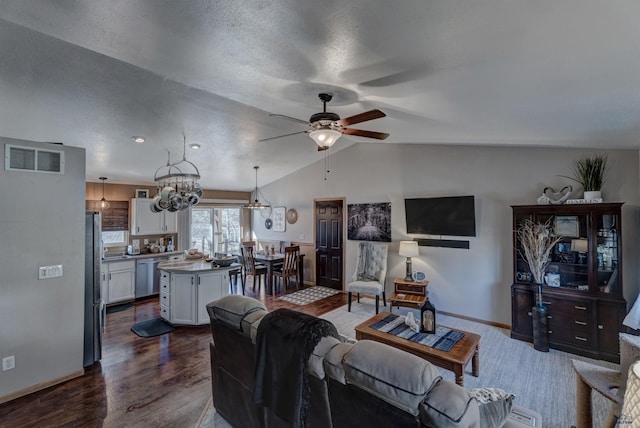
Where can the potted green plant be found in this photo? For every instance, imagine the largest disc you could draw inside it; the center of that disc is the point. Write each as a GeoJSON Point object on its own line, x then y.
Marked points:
{"type": "Point", "coordinates": [536, 242]}
{"type": "Point", "coordinates": [590, 171]}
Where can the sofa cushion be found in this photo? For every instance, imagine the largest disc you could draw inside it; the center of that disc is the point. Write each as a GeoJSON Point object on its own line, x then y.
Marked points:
{"type": "Point", "coordinates": [495, 405]}
{"type": "Point", "coordinates": [233, 309]}
{"type": "Point", "coordinates": [395, 376]}
{"type": "Point", "coordinates": [315, 365]}
{"type": "Point", "coordinates": [333, 362]}
{"type": "Point", "coordinates": [449, 405]}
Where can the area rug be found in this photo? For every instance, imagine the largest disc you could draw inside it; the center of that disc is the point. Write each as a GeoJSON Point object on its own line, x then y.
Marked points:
{"type": "Point", "coordinates": [152, 327]}
{"type": "Point", "coordinates": [309, 295]}
{"type": "Point", "coordinates": [542, 381]}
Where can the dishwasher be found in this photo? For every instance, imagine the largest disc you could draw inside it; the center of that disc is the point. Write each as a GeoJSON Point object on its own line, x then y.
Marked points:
{"type": "Point", "coordinates": [148, 276]}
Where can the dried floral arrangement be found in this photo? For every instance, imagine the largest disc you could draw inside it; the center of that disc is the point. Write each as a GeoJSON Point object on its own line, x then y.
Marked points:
{"type": "Point", "coordinates": [537, 241]}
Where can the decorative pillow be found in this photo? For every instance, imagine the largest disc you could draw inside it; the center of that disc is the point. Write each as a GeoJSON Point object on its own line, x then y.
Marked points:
{"type": "Point", "coordinates": [495, 405]}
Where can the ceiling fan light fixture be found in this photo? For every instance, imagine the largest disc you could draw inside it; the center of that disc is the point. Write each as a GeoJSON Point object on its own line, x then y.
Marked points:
{"type": "Point", "coordinates": [325, 138]}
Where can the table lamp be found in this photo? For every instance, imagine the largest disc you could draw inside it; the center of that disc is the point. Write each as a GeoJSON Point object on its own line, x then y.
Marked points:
{"type": "Point", "coordinates": [409, 249]}
{"type": "Point", "coordinates": [581, 246]}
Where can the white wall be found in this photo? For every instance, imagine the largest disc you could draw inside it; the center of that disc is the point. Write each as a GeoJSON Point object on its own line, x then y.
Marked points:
{"type": "Point", "coordinates": [41, 224]}
{"type": "Point", "coordinates": [474, 282]}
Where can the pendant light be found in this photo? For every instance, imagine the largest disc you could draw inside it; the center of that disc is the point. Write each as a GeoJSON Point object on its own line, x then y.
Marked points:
{"type": "Point", "coordinates": [256, 204]}
{"type": "Point", "coordinates": [103, 202]}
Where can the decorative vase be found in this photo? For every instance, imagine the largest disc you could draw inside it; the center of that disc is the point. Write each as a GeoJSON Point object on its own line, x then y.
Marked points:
{"type": "Point", "coordinates": [539, 317]}
{"type": "Point", "coordinates": [592, 194]}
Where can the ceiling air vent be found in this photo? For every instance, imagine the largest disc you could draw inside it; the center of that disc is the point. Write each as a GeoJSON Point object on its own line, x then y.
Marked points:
{"type": "Point", "coordinates": [19, 158]}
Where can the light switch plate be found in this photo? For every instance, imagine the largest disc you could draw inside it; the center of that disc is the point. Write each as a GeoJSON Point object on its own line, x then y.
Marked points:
{"type": "Point", "coordinates": [46, 272]}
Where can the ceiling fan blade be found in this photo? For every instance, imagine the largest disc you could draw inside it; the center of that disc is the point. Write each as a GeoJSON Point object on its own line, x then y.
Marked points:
{"type": "Point", "coordinates": [362, 117]}
{"type": "Point", "coordinates": [363, 133]}
{"type": "Point", "coordinates": [281, 136]}
{"type": "Point", "coordinates": [293, 119]}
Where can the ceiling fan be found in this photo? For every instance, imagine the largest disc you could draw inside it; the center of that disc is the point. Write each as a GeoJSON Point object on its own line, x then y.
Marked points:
{"type": "Point", "coordinates": [327, 127]}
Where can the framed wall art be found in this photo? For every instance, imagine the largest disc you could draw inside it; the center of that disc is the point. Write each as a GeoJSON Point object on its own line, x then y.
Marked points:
{"type": "Point", "coordinates": [369, 222]}
{"type": "Point", "coordinates": [279, 220]}
{"type": "Point", "coordinates": [142, 193]}
{"type": "Point", "coordinates": [567, 225]}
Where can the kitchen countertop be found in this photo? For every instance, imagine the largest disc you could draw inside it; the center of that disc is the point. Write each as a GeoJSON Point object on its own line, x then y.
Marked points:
{"type": "Point", "coordinates": [192, 266]}
{"type": "Point", "coordinates": [140, 256]}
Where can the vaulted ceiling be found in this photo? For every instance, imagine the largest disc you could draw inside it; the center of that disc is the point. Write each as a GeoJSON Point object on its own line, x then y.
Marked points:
{"type": "Point", "coordinates": [93, 73]}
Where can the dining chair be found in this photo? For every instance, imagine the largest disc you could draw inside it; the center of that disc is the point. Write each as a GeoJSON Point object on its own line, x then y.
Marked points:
{"type": "Point", "coordinates": [233, 275]}
{"type": "Point", "coordinates": [288, 269]}
{"type": "Point", "coordinates": [249, 267]}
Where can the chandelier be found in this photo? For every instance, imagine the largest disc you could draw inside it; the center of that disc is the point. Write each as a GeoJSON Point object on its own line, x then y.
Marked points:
{"type": "Point", "coordinates": [256, 204]}
{"type": "Point", "coordinates": [177, 184]}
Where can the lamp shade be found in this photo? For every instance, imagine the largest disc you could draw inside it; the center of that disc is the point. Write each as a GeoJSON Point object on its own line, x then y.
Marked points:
{"type": "Point", "coordinates": [409, 249]}
{"type": "Point", "coordinates": [579, 245]}
{"type": "Point", "coordinates": [325, 138]}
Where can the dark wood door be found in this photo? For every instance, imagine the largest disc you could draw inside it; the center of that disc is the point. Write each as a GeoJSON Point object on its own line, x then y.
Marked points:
{"type": "Point", "coordinates": [329, 252]}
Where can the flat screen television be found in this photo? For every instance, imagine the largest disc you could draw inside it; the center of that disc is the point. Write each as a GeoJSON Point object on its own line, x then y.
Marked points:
{"type": "Point", "coordinates": [451, 216]}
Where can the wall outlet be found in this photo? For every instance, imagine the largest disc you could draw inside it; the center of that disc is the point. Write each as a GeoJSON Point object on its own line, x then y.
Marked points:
{"type": "Point", "coordinates": [8, 363]}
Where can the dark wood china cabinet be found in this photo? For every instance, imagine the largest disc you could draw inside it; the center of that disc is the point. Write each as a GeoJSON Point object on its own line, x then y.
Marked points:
{"type": "Point", "coordinates": [583, 283]}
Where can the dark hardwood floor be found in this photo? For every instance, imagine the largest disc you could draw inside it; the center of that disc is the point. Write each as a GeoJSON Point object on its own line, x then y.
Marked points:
{"type": "Point", "coordinates": [161, 381]}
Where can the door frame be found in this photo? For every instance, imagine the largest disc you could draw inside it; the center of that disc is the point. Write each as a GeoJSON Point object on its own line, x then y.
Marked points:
{"type": "Point", "coordinates": [344, 230]}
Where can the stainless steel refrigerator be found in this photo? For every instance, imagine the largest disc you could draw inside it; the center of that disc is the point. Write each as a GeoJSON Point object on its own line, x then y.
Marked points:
{"type": "Point", "coordinates": [94, 307]}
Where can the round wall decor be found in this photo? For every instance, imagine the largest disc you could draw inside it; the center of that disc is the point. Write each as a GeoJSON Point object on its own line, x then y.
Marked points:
{"type": "Point", "coordinates": [419, 276]}
{"type": "Point", "coordinates": [268, 223]}
{"type": "Point", "coordinates": [292, 216]}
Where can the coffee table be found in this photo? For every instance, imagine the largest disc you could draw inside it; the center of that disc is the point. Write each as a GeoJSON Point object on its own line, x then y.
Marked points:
{"type": "Point", "coordinates": [456, 359]}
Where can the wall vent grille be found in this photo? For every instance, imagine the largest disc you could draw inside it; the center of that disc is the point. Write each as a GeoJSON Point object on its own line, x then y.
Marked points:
{"type": "Point", "coordinates": [19, 158]}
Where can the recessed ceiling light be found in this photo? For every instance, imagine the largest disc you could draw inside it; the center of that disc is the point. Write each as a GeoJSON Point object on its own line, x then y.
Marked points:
{"type": "Point", "coordinates": [137, 139]}
{"type": "Point", "coordinates": [194, 146]}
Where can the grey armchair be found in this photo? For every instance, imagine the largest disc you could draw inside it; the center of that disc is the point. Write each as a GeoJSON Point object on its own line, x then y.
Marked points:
{"type": "Point", "coordinates": [371, 271]}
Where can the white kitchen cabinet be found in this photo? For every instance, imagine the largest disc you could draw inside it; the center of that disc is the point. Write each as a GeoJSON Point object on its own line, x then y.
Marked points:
{"type": "Point", "coordinates": [118, 281]}
{"type": "Point", "coordinates": [184, 300]}
{"type": "Point", "coordinates": [146, 222]}
{"type": "Point", "coordinates": [211, 286]}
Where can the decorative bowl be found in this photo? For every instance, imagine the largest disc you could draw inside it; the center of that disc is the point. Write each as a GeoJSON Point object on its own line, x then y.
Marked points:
{"type": "Point", "coordinates": [224, 261]}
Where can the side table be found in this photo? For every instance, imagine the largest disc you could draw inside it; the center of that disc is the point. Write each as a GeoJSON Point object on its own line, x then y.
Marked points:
{"type": "Point", "coordinates": [410, 294]}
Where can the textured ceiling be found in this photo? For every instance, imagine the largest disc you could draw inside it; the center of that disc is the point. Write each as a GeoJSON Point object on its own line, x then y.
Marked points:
{"type": "Point", "coordinates": [93, 73]}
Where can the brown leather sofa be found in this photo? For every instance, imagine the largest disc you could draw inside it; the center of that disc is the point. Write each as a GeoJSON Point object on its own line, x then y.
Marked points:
{"type": "Point", "coordinates": [350, 384]}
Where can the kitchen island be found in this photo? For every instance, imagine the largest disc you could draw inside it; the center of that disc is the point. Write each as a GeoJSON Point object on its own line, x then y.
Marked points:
{"type": "Point", "coordinates": [186, 286]}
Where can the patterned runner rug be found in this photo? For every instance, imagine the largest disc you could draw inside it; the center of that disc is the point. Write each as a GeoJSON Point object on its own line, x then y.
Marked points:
{"type": "Point", "coordinates": [443, 339]}
{"type": "Point", "coordinates": [309, 295]}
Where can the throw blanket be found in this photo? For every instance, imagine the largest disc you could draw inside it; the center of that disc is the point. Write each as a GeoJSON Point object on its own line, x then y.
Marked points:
{"type": "Point", "coordinates": [284, 342]}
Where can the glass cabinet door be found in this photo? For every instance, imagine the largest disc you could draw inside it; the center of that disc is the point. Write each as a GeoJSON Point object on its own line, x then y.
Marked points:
{"type": "Point", "coordinates": [607, 253]}
{"type": "Point", "coordinates": [569, 267]}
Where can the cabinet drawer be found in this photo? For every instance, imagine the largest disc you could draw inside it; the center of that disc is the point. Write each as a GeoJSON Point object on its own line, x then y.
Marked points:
{"type": "Point", "coordinates": [165, 286]}
{"type": "Point", "coordinates": [569, 310]}
{"type": "Point", "coordinates": [411, 289]}
{"type": "Point", "coordinates": [125, 265]}
{"type": "Point", "coordinates": [165, 312]}
{"type": "Point", "coordinates": [165, 298]}
{"type": "Point", "coordinates": [164, 276]}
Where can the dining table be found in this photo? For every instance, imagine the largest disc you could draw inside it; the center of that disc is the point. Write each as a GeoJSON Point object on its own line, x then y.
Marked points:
{"type": "Point", "coordinates": [270, 260]}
